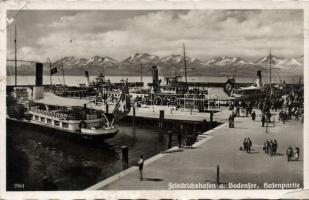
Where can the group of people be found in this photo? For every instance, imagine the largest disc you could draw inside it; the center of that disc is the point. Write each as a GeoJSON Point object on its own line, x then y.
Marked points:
{"type": "Point", "coordinates": [292, 153]}
{"type": "Point", "coordinates": [265, 117]}
{"type": "Point", "coordinates": [270, 147]}
{"type": "Point", "coordinates": [247, 145]}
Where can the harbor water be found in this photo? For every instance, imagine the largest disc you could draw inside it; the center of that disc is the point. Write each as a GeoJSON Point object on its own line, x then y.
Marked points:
{"type": "Point", "coordinates": [33, 155]}
{"type": "Point", "coordinates": [76, 80]}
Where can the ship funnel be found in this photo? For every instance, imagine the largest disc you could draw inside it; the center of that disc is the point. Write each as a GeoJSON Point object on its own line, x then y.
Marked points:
{"type": "Point", "coordinates": [258, 79]}
{"type": "Point", "coordinates": [38, 89]}
{"type": "Point", "coordinates": [87, 79]}
{"type": "Point", "coordinates": [38, 74]}
{"type": "Point", "coordinates": [155, 76]}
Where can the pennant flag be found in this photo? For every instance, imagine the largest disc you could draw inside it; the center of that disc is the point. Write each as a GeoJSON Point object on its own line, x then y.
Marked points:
{"type": "Point", "coordinates": [123, 105]}
{"type": "Point", "coordinates": [229, 85]}
{"type": "Point", "coordinates": [53, 70]}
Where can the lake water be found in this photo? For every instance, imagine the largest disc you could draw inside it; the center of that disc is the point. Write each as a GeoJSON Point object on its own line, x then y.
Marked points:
{"type": "Point", "coordinates": [75, 80]}
{"type": "Point", "coordinates": [74, 165]}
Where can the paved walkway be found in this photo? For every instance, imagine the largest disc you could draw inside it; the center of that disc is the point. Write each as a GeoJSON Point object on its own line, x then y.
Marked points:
{"type": "Point", "coordinates": [170, 113]}
{"type": "Point", "coordinates": [221, 147]}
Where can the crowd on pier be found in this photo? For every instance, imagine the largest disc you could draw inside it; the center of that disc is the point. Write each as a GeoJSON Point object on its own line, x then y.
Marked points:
{"type": "Point", "coordinates": [290, 104]}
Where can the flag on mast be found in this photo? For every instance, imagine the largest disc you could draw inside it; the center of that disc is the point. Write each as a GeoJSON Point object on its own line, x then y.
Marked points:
{"type": "Point", "coordinates": [123, 105]}
{"type": "Point", "coordinates": [53, 70]}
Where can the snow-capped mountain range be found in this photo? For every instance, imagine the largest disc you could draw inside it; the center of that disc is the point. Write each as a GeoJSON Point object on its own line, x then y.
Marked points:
{"type": "Point", "coordinates": [216, 66]}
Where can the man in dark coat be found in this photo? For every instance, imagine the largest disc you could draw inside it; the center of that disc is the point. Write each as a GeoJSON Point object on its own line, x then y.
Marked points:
{"type": "Point", "coordinates": [249, 145]}
{"type": "Point", "coordinates": [267, 146]}
{"type": "Point", "coordinates": [253, 115]}
{"type": "Point", "coordinates": [271, 146]}
{"type": "Point", "coordinates": [275, 146]}
{"type": "Point", "coordinates": [263, 119]}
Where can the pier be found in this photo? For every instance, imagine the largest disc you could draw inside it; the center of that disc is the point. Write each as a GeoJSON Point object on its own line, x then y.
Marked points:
{"type": "Point", "coordinates": [216, 158]}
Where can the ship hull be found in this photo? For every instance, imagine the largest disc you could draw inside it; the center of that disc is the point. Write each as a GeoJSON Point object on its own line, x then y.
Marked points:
{"type": "Point", "coordinates": [11, 123]}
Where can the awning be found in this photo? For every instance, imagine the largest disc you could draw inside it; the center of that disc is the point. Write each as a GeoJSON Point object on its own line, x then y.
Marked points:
{"type": "Point", "coordinates": [249, 88]}
{"type": "Point", "coordinates": [54, 100]}
{"type": "Point", "coordinates": [217, 93]}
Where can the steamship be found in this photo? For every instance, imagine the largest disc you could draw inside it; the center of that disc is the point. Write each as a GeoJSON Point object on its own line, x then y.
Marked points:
{"type": "Point", "coordinates": [64, 115]}
{"type": "Point", "coordinates": [255, 91]}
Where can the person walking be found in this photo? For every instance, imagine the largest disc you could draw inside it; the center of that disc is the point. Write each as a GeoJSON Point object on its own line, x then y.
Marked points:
{"type": "Point", "coordinates": [245, 144]}
{"type": "Point", "coordinates": [253, 115]}
{"type": "Point", "coordinates": [275, 146]}
{"type": "Point", "coordinates": [263, 119]}
{"type": "Point", "coordinates": [249, 143]}
{"type": "Point", "coordinates": [231, 120]}
{"type": "Point", "coordinates": [265, 147]}
{"type": "Point", "coordinates": [140, 167]}
{"type": "Point", "coordinates": [271, 146]}
{"type": "Point", "coordinates": [296, 153]}
{"type": "Point", "coordinates": [289, 153]}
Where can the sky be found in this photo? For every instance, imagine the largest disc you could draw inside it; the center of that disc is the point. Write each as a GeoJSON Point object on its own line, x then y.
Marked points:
{"type": "Point", "coordinates": [121, 33]}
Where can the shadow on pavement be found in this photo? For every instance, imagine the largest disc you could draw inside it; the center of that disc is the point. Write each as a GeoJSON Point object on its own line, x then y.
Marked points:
{"type": "Point", "coordinates": [152, 179]}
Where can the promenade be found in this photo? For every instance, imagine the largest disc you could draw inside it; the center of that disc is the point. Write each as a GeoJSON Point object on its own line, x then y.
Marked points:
{"type": "Point", "coordinates": [170, 113]}
{"type": "Point", "coordinates": [220, 147]}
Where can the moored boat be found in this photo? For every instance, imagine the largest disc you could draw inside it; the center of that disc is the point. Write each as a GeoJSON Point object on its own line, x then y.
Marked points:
{"type": "Point", "coordinates": [69, 116]}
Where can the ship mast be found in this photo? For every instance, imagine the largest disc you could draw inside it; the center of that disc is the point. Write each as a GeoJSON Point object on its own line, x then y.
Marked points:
{"type": "Point", "coordinates": [185, 62]}
{"type": "Point", "coordinates": [63, 74]}
{"type": "Point", "coordinates": [141, 72]}
{"type": "Point", "coordinates": [15, 42]}
{"type": "Point", "coordinates": [270, 72]}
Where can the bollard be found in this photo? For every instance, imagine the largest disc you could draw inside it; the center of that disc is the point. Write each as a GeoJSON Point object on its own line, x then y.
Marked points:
{"type": "Point", "coordinates": [161, 119]}
{"type": "Point", "coordinates": [133, 118]}
{"type": "Point", "coordinates": [124, 157]}
{"type": "Point", "coordinates": [170, 139]}
{"type": "Point", "coordinates": [161, 125]}
{"type": "Point", "coordinates": [204, 125]}
{"type": "Point", "coordinates": [191, 111]}
{"type": "Point", "coordinates": [133, 122]}
{"type": "Point", "coordinates": [106, 107]}
{"type": "Point", "coordinates": [218, 174]}
{"type": "Point", "coordinates": [194, 134]}
{"type": "Point", "coordinates": [180, 136]}
{"type": "Point", "coordinates": [211, 119]}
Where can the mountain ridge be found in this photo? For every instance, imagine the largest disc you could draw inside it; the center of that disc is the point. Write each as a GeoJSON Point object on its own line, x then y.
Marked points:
{"type": "Point", "coordinates": [174, 64]}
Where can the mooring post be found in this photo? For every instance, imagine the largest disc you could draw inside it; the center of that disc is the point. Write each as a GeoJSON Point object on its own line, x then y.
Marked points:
{"type": "Point", "coordinates": [124, 157]}
{"type": "Point", "coordinates": [170, 139]}
{"type": "Point", "coordinates": [204, 125]}
{"type": "Point", "coordinates": [194, 133]}
{"type": "Point", "coordinates": [218, 174]}
{"type": "Point", "coordinates": [106, 107]}
{"type": "Point", "coordinates": [180, 135]}
{"type": "Point", "coordinates": [161, 125]}
{"type": "Point", "coordinates": [211, 119]}
{"type": "Point", "coordinates": [133, 119]}
{"type": "Point", "coordinates": [161, 119]}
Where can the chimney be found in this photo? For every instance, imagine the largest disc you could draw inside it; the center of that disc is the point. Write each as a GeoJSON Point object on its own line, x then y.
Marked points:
{"type": "Point", "coordinates": [87, 79]}
{"type": "Point", "coordinates": [38, 74]}
{"type": "Point", "coordinates": [38, 88]}
{"type": "Point", "coordinates": [258, 79]}
{"type": "Point", "coordinates": [155, 77]}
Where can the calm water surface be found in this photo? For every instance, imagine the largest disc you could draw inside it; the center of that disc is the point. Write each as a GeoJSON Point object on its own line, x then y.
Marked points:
{"type": "Point", "coordinates": [74, 165]}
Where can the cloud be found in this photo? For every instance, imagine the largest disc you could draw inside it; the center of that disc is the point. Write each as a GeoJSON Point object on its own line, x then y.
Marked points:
{"type": "Point", "coordinates": [206, 33]}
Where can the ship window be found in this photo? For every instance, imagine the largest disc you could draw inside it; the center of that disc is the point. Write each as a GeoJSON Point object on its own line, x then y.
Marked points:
{"type": "Point", "coordinates": [49, 121]}
{"type": "Point", "coordinates": [56, 123]}
{"type": "Point", "coordinates": [36, 117]}
{"type": "Point", "coordinates": [65, 125]}
{"type": "Point", "coordinates": [42, 119]}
